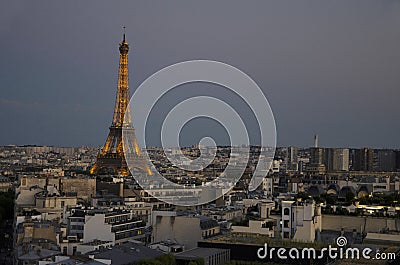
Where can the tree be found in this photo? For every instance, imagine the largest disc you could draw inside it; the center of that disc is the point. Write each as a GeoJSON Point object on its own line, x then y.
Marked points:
{"type": "Point", "coordinates": [6, 205]}
{"type": "Point", "coordinates": [197, 262]}
{"type": "Point", "coordinates": [319, 199]}
{"type": "Point", "coordinates": [166, 259]}
{"type": "Point", "coordinates": [350, 196]}
{"type": "Point", "coordinates": [148, 262]}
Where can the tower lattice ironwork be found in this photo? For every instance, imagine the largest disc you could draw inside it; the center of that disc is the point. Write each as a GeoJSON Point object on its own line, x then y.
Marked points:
{"type": "Point", "coordinates": [111, 158]}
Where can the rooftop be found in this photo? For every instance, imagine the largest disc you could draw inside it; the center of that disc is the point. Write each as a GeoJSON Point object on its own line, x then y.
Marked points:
{"type": "Point", "coordinates": [126, 253]}
{"type": "Point", "coordinates": [199, 253]}
{"type": "Point", "coordinates": [95, 242]}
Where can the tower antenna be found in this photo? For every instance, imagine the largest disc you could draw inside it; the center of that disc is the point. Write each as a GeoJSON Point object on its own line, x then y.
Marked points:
{"type": "Point", "coordinates": [124, 33]}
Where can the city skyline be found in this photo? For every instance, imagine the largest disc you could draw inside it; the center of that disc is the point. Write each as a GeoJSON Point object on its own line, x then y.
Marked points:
{"type": "Point", "coordinates": [336, 77]}
{"type": "Point", "coordinates": [200, 132]}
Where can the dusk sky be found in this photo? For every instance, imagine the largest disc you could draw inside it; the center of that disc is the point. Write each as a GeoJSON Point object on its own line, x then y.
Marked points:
{"type": "Point", "coordinates": [326, 67]}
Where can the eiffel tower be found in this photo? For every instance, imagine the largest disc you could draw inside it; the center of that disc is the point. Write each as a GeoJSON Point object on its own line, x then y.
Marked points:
{"type": "Point", "coordinates": [111, 158]}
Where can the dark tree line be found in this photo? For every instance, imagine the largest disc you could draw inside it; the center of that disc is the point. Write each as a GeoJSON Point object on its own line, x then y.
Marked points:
{"type": "Point", "coordinates": [6, 205]}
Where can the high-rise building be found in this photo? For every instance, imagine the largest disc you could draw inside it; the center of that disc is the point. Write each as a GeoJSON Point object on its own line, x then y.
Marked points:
{"type": "Point", "coordinates": [315, 165]}
{"type": "Point", "coordinates": [336, 159]}
{"type": "Point", "coordinates": [397, 160]}
{"type": "Point", "coordinates": [363, 159]}
{"type": "Point", "coordinates": [386, 160]}
{"type": "Point", "coordinates": [343, 157]}
{"type": "Point", "coordinates": [316, 155]}
{"type": "Point", "coordinates": [316, 141]}
{"type": "Point", "coordinates": [292, 158]}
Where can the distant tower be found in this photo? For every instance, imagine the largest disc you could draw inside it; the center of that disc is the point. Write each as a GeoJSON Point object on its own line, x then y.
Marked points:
{"type": "Point", "coordinates": [111, 158]}
{"type": "Point", "coordinates": [316, 141]}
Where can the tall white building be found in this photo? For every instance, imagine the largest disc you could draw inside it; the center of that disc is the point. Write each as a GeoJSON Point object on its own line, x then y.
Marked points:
{"type": "Point", "coordinates": [301, 220]}
{"type": "Point", "coordinates": [115, 226]}
{"type": "Point", "coordinates": [342, 159]}
{"type": "Point", "coordinates": [184, 229]}
{"type": "Point", "coordinates": [292, 159]}
{"type": "Point", "coordinates": [268, 186]}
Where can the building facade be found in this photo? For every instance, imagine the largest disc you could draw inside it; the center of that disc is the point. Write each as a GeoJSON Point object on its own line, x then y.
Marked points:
{"type": "Point", "coordinates": [301, 220]}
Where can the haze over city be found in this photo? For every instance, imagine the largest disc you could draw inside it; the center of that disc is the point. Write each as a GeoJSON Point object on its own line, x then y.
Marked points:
{"type": "Point", "coordinates": [326, 67]}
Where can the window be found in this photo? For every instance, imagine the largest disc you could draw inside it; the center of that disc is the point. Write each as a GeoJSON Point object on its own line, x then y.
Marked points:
{"type": "Point", "coordinates": [286, 223]}
{"type": "Point", "coordinates": [286, 211]}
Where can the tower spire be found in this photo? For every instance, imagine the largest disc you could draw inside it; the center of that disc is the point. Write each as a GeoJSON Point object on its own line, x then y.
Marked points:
{"type": "Point", "coordinates": [124, 34]}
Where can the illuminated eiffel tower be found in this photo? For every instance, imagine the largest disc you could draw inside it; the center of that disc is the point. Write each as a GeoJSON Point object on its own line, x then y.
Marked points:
{"type": "Point", "coordinates": [111, 158]}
